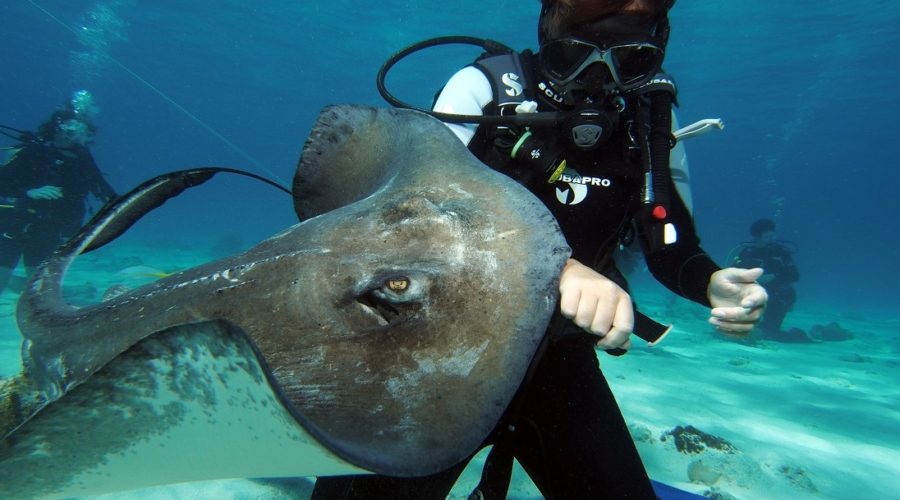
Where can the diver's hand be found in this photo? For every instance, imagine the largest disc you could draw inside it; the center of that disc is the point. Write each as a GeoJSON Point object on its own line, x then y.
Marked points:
{"type": "Point", "coordinates": [45, 193]}
{"type": "Point", "coordinates": [595, 303]}
{"type": "Point", "coordinates": [737, 299]}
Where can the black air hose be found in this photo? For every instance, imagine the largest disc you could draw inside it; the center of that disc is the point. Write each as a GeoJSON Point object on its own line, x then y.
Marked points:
{"type": "Point", "coordinates": [661, 143]}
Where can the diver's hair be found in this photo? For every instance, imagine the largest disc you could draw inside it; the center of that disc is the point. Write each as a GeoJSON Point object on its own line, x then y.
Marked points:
{"type": "Point", "coordinates": [558, 15]}
{"type": "Point", "coordinates": [47, 131]}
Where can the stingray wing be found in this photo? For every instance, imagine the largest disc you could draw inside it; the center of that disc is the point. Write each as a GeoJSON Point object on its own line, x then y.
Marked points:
{"type": "Point", "coordinates": [190, 403]}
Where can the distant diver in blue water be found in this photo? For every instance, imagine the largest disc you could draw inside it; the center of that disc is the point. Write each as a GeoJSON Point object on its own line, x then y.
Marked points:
{"type": "Point", "coordinates": [44, 186]}
{"type": "Point", "coordinates": [780, 273]}
{"type": "Point", "coordinates": [586, 126]}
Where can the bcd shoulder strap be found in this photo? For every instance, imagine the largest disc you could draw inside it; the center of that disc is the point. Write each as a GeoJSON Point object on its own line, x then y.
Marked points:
{"type": "Point", "coordinates": [509, 79]}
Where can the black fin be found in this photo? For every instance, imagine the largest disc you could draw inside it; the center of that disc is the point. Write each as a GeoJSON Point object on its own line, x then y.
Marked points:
{"type": "Point", "coordinates": [120, 214]}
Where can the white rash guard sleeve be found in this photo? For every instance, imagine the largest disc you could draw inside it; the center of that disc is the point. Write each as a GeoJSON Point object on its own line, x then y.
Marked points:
{"type": "Point", "coordinates": [467, 92]}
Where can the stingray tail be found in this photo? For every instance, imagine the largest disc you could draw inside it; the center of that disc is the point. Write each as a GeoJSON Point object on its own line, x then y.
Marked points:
{"type": "Point", "coordinates": [117, 216]}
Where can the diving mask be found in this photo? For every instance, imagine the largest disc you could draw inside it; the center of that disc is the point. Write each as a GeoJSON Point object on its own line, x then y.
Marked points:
{"type": "Point", "coordinates": [630, 65]}
{"type": "Point", "coordinates": [630, 46]}
{"type": "Point", "coordinates": [74, 131]}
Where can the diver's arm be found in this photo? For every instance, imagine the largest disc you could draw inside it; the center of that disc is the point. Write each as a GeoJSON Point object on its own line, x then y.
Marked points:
{"type": "Point", "coordinates": [24, 177]}
{"type": "Point", "coordinates": [467, 92]}
{"type": "Point", "coordinates": [97, 183]}
{"type": "Point", "coordinates": [735, 298]}
{"type": "Point", "coordinates": [683, 267]}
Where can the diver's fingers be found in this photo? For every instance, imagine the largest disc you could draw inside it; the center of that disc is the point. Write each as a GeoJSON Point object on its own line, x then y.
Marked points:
{"type": "Point", "coordinates": [750, 275]}
{"type": "Point", "coordinates": [625, 313]}
{"type": "Point", "coordinates": [737, 320]}
{"type": "Point", "coordinates": [612, 311]}
{"type": "Point", "coordinates": [568, 302]}
{"type": "Point", "coordinates": [731, 281]}
{"type": "Point", "coordinates": [592, 316]}
{"type": "Point", "coordinates": [621, 326]}
{"type": "Point", "coordinates": [740, 275]}
{"type": "Point", "coordinates": [732, 327]}
{"type": "Point", "coordinates": [754, 297]}
{"type": "Point", "coordinates": [602, 316]}
{"type": "Point", "coordinates": [736, 314]}
{"type": "Point", "coordinates": [616, 339]}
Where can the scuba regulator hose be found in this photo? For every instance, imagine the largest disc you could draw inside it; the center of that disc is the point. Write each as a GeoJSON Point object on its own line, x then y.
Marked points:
{"type": "Point", "coordinates": [542, 119]}
{"type": "Point", "coordinates": [22, 135]}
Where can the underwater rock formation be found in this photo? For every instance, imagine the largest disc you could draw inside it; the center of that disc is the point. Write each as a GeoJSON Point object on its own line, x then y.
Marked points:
{"type": "Point", "coordinates": [690, 440]}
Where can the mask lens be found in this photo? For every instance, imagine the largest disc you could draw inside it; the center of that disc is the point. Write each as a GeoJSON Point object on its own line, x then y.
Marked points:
{"type": "Point", "coordinates": [75, 131]}
{"type": "Point", "coordinates": [635, 63]}
{"type": "Point", "coordinates": [561, 58]}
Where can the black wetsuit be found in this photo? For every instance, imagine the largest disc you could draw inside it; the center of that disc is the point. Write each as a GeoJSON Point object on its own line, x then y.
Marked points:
{"type": "Point", "coordinates": [30, 228]}
{"type": "Point", "coordinates": [775, 258]}
{"type": "Point", "coordinates": [569, 433]}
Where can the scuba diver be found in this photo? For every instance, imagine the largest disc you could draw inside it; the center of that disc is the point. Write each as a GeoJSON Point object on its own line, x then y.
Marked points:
{"type": "Point", "coordinates": [586, 125]}
{"type": "Point", "coordinates": [779, 275]}
{"type": "Point", "coordinates": [44, 186]}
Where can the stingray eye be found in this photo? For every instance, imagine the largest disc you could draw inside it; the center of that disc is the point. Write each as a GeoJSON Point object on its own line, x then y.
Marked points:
{"type": "Point", "coordinates": [398, 285]}
{"type": "Point", "coordinates": [399, 288]}
{"type": "Point", "coordinates": [394, 298]}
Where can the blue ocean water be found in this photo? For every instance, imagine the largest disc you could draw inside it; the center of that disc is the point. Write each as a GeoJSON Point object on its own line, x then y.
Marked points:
{"type": "Point", "coordinates": [807, 89]}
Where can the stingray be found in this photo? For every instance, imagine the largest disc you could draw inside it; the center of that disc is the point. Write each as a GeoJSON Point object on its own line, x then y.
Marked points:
{"type": "Point", "coordinates": [386, 332]}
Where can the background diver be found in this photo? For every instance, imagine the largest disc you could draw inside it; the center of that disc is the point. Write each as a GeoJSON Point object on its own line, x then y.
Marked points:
{"type": "Point", "coordinates": [45, 186]}
{"type": "Point", "coordinates": [780, 274]}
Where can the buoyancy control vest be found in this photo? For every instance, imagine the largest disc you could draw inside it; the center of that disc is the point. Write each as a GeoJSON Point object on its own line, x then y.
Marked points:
{"type": "Point", "coordinates": [646, 111]}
